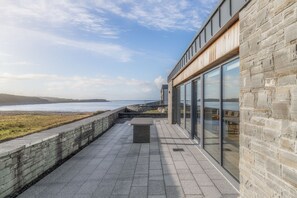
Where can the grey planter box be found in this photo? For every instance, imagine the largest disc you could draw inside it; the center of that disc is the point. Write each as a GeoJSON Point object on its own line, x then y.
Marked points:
{"type": "Point", "coordinates": [141, 129]}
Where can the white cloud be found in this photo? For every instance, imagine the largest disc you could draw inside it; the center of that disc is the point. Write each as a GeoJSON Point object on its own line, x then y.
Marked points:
{"type": "Point", "coordinates": [76, 86]}
{"type": "Point", "coordinates": [2, 54]}
{"type": "Point", "coordinates": [55, 14]}
{"type": "Point", "coordinates": [27, 37]}
{"type": "Point", "coordinates": [160, 14]}
{"type": "Point", "coordinates": [92, 15]}
{"type": "Point", "coordinates": [159, 81]}
{"type": "Point", "coordinates": [51, 19]}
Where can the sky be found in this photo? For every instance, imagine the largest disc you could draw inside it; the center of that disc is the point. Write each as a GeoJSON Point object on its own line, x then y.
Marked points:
{"type": "Point", "coordinates": [82, 49]}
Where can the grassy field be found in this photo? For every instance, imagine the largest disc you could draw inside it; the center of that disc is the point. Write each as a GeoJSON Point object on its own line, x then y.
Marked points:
{"type": "Point", "coordinates": [152, 111]}
{"type": "Point", "coordinates": [14, 124]}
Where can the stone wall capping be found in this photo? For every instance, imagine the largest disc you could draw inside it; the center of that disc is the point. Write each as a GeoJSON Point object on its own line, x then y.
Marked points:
{"type": "Point", "coordinates": [9, 150]}
{"type": "Point", "coordinates": [49, 137]}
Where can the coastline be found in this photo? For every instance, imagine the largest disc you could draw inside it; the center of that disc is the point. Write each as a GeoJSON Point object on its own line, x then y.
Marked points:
{"type": "Point", "coordinates": [58, 102]}
{"type": "Point", "coordinates": [45, 112]}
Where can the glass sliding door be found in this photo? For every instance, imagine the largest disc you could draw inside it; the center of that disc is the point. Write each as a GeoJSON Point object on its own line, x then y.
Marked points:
{"type": "Point", "coordinates": [178, 105]}
{"type": "Point", "coordinates": [197, 109]}
{"type": "Point", "coordinates": [231, 87]}
{"type": "Point", "coordinates": [212, 113]}
{"type": "Point", "coordinates": [188, 103]}
{"type": "Point", "coordinates": [182, 106]}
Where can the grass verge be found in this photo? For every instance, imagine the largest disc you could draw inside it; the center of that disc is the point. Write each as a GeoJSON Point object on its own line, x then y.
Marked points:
{"type": "Point", "coordinates": [18, 124]}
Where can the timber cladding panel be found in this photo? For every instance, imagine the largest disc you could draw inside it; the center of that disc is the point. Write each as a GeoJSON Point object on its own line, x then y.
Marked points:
{"type": "Point", "coordinates": [226, 46]}
{"type": "Point", "coordinates": [268, 99]}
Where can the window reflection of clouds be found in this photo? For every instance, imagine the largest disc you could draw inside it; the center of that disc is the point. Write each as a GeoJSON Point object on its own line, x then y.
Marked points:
{"type": "Point", "coordinates": [212, 79]}
{"type": "Point", "coordinates": [231, 80]}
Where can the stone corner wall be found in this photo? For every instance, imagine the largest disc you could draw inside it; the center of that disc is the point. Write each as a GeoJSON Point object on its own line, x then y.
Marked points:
{"type": "Point", "coordinates": [28, 160]}
{"type": "Point", "coordinates": [171, 103]}
{"type": "Point", "coordinates": [268, 106]}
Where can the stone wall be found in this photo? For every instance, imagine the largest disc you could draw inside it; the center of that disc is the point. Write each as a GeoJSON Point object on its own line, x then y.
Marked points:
{"type": "Point", "coordinates": [170, 103]}
{"type": "Point", "coordinates": [25, 159]}
{"type": "Point", "coordinates": [268, 107]}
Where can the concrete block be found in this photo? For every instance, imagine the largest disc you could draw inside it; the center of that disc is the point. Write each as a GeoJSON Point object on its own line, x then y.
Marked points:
{"type": "Point", "coordinates": [280, 110]}
{"type": "Point", "coordinates": [264, 99]}
{"type": "Point", "coordinates": [138, 192]}
{"type": "Point", "coordinates": [281, 59]}
{"type": "Point", "coordinates": [291, 33]}
{"type": "Point", "coordinates": [289, 159]}
{"type": "Point", "coordinates": [190, 187]}
{"type": "Point", "coordinates": [288, 144]}
{"type": "Point", "coordinates": [273, 166]}
{"type": "Point", "coordinates": [270, 82]}
{"type": "Point", "coordinates": [290, 176]}
{"type": "Point", "coordinates": [257, 80]}
{"type": "Point", "coordinates": [287, 80]}
{"type": "Point", "coordinates": [248, 99]}
{"type": "Point", "coordinates": [156, 187]}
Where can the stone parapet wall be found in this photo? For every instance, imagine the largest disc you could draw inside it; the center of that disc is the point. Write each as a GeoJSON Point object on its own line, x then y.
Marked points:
{"type": "Point", "coordinates": [25, 159]}
{"type": "Point", "coordinates": [138, 108]}
{"type": "Point", "coordinates": [268, 106]}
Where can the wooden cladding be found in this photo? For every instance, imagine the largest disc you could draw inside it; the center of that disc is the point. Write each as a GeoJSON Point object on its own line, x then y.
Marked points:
{"type": "Point", "coordinates": [224, 47]}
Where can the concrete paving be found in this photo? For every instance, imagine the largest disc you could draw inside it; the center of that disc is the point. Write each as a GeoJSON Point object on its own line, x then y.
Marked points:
{"type": "Point", "coordinates": [114, 166]}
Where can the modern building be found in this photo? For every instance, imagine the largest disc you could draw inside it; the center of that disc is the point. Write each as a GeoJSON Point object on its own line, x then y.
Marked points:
{"type": "Point", "coordinates": [164, 94]}
{"type": "Point", "coordinates": [234, 90]}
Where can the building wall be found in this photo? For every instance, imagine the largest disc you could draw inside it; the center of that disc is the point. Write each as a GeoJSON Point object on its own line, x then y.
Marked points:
{"type": "Point", "coordinates": [170, 103]}
{"type": "Point", "coordinates": [268, 62]}
{"type": "Point", "coordinates": [166, 96]}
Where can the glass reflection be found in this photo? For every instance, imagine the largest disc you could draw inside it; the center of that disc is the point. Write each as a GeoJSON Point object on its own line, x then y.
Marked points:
{"type": "Point", "coordinates": [178, 105]}
{"type": "Point", "coordinates": [197, 108]}
{"type": "Point", "coordinates": [188, 106]}
{"type": "Point", "coordinates": [198, 126]}
{"type": "Point", "coordinates": [212, 113]}
{"type": "Point", "coordinates": [182, 105]}
{"type": "Point", "coordinates": [230, 115]}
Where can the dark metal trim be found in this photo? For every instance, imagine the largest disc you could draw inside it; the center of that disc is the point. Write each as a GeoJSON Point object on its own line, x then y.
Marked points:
{"type": "Point", "coordinates": [220, 116]}
{"type": "Point", "coordinates": [202, 107]}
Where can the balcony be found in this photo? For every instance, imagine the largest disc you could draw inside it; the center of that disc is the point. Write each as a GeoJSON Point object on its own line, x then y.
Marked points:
{"type": "Point", "coordinates": [112, 166]}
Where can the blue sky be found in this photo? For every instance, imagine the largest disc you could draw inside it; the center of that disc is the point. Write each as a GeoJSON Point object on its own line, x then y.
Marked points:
{"type": "Point", "coordinates": [120, 49]}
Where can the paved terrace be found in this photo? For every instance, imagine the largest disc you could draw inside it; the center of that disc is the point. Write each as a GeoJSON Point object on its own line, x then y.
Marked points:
{"type": "Point", "coordinates": [112, 166]}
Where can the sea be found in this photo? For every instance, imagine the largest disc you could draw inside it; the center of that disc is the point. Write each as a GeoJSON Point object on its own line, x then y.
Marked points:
{"type": "Point", "coordinates": [75, 107]}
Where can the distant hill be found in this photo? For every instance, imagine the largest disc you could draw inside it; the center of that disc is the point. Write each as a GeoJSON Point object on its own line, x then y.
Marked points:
{"type": "Point", "coordinates": [7, 99]}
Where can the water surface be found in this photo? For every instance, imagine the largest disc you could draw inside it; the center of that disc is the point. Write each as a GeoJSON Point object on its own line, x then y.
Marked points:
{"type": "Point", "coordinates": [74, 107]}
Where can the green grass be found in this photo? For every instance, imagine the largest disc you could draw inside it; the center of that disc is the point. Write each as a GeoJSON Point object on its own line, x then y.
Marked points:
{"type": "Point", "coordinates": [21, 124]}
{"type": "Point", "coordinates": [152, 111]}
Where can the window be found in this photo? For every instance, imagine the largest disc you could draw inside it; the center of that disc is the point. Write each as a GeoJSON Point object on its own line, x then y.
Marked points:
{"type": "Point", "coordinates": [209, 108]}
{"type": "Point", "coordinates": [188, 103]}
{"type": "Point", "coordinates": [212, 113]}
{"type": "Point", "coordinates": [197, 109]}
{"type": "Point", "coordinates": [182, 106]}
{"type": "Point", "coordinates": [230, 114]}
